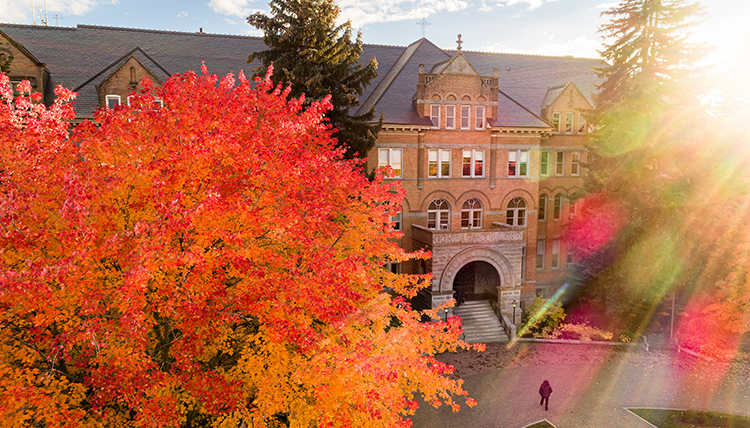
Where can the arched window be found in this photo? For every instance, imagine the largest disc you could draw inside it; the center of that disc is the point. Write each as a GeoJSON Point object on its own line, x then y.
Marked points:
{"type": "Point", "coordinates": [558, 206]}
{"type": "Point", "coordinates": [471, 214]}
{"type": "Point", "coordinates": [438, 215]}
{"type": "Point", "coordinates": [542, 207]}
{"type": "Point", "coordinates": [516, 212]}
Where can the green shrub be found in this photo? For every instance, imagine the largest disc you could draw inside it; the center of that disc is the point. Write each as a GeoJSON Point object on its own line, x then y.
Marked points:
{"type": "Point", "coordinates": [542, 315]}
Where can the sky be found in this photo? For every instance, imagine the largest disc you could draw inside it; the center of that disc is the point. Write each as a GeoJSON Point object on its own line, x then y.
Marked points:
{"type": "Point", "coordinates": [543, 27]}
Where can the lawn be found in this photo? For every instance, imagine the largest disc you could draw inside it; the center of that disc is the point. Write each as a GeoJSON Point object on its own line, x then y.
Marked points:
{"type": "Point", "coordinates": [542, 424]}
{"type": "Point", "coordinates": [691, 418]}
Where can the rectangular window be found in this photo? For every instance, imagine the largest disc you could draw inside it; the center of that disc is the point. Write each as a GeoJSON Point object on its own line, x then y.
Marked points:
{"type": "Point", "coordinates": [518, 163]}
{"type": "Point", "coordinates": [581, 124]}
{"type": "Point", "coordinates": [556, 121]}
{"type": "Point", "coordinates": [568, 123]}
{"type": "Point", "coordinates": [393, 267]}
{"type": "Point", "coordinates": [572, 210]}
{"type": "Point", "coordinates": [113, 101]}
{"type": "Point", "coordinates": [392, 158]}
{"type": "Point", "coordinates": [555, 253]}
{"type": "Point", "coordinates": [439, 163]}
{"type": "Point", "coordinates": [542, 207]}
{"type": "Point", "coordinates": [396, 220]}
{"type": "Point", "coordinates": [450, 117]}
{"type": "Point", "coordinates": [465, 116]}
{"type": "Point", "coordinates": [435, 115]}
{"type": "Point", "coordinates": [544, 163]}
{"type": "Point", "coordinates": [575, 158]}
{"type": "Point", "coordinates": [560, 166]}
{"type": "Point", "coordinates": [523, 263]}
{"type": "Point", "coordinates": [473, 163]}
{"type": "Point", "coordinates": [540, 254]}
{"type": "Point", "coordinates": [479, 118]}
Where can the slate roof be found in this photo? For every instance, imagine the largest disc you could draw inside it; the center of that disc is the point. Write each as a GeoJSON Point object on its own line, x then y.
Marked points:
{"type": "Point", "coordinates": [82, 56]}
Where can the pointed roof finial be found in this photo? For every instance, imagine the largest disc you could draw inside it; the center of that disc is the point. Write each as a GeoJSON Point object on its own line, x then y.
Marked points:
{"type": "Point", "coordinates": [459, 43]}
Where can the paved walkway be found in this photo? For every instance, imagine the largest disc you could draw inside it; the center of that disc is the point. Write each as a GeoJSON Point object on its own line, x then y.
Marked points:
{"type": "Point", "coordinates": [591, 386]}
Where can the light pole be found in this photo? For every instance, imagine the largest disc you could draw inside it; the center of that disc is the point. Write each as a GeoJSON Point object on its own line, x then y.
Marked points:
{"type": "Point", "coordinates": [514, 312]}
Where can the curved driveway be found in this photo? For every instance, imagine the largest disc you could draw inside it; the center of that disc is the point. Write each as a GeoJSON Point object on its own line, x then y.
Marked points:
{"type": "Point", "coordinates": [591, 386]}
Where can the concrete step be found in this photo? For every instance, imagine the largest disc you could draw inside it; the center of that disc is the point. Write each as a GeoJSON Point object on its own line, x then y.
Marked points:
{"type": "Point", "coordinates": [480, 324]}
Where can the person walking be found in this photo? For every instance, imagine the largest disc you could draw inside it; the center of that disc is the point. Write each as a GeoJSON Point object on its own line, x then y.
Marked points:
{"type": "Point", "coordinates": [545, 390]}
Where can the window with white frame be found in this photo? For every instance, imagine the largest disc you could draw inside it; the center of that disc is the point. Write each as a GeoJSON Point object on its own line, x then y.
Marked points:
{"type": "Point", "coordinates": [569, 123]}
{"type": "Point", "coordinates": [555, 253]}
{"type": "Point", "coordinates": [157, 103]}
{"type": "Point", "coordinates": [439, 163]}
{"type": "Point", "coordinates": [572, 209]}
{"type": "Point", "coordinates": [392, 158]}
{"type": "Point", "coordinates": [465, 117]}
{"type": "Point", "coordinates": [575, 159]}
{"type": "Point", "coordinates": [450, 117]}
{"type": "Point", "coordinates": [581, 124]}
{"type": "Point", "coordinates": [544, 163]}
{"type": "Point", "coordinates": [471, 214]}
{"type": "Point", "coordinates": [516, 212]}
{"type": "Point", "coordinates": [557, 207]}
{"type": "Point", "coordinates": [556, 117]}
{"type": "Point", "coordinates": [438, 215]}
{"type": "Point", "coordinates": [540, 254]}
{"type": "Point", "coordinates": [518, 163]}
{"type": "Point", "coordinates": [435, 115]}
{"type": "Point", "coordinates": [479, 118]}
{"type": "Point", "coordinates": [473, 163]}
{"type": "Point", "coordinates": [560, 165]}
{"type": "Point", "coordinates": [542, 207]}
{"type": "Point", "coordinates": [112, 101]}
{"type": "Point", "coordinates": [396, 220]}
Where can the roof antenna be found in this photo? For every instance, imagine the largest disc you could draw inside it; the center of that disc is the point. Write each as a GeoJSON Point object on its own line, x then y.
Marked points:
{"type": "Point", "coordinates": [57, 20]}
{"type": "Point", "coordinates": [46, 18]}
{"type": "Point", "coordinates": [33, 13]}
{"type": "Point", "coordinates": [423, 23]}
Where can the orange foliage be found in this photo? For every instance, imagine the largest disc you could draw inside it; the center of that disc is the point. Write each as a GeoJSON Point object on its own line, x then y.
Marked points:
{"type": "Point", "coordinates": [213, 262]}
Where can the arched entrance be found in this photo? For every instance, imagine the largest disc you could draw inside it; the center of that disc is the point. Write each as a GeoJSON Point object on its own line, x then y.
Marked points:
{"type": "Point", "coordinates": [477, 280]}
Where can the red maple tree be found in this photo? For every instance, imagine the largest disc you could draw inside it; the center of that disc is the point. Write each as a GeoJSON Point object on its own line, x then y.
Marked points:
{"type": "Point", "coordinates": [214, 262]}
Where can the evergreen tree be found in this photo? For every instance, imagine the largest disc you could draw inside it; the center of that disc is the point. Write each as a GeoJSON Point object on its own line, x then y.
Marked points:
{"type": "Point", "coordinates": [318, 57]}
{"type": "Point", "coordinates": [653, 155]}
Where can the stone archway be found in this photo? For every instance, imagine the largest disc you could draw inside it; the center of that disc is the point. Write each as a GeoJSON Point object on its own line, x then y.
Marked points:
{"type": "Point", "coordinates": [497, 260]}
{"type": "Point", "coordinates": [477, 280]}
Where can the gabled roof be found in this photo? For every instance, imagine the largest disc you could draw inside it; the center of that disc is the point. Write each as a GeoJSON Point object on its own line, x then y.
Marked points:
{"type": "Point", "coordinates": [88, 99]}
{"type": "Point", "coordinates": [510, 113]}
{"type": "Point", "coordinates": [449, 67]}
{"type": "Point", "coordinates": [554, 92]}
{"type": "Point", "coordinates": [78, 56]}
{"type": "Point", "coordinates": [21, 48]}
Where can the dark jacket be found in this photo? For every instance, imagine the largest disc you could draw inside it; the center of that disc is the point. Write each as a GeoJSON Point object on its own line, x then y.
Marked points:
{"type": "Point", "coordinates": [545, 390]}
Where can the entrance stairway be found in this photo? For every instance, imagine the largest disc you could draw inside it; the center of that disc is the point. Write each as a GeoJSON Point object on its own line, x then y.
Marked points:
{"type": "Point", "coordinates": [480, 323]}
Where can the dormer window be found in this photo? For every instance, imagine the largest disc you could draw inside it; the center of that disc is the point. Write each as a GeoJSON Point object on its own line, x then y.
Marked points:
{"type": "Point", "coordinates": [556, 121]}
{"type": "Point", "coordinates": [112, 101]}
{"type": "Point", "coordinates": [568, 123]}
{"type": "Point", "coordinates": [450, 117]}
{"type": "Point", "coordinates": [435, 115]}
{"type": "Point", "coordinates": [479, 118]}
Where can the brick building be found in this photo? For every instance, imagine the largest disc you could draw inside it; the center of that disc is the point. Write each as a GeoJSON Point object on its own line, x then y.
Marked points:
{"type": "Point", "coordinates": [490, 148]}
